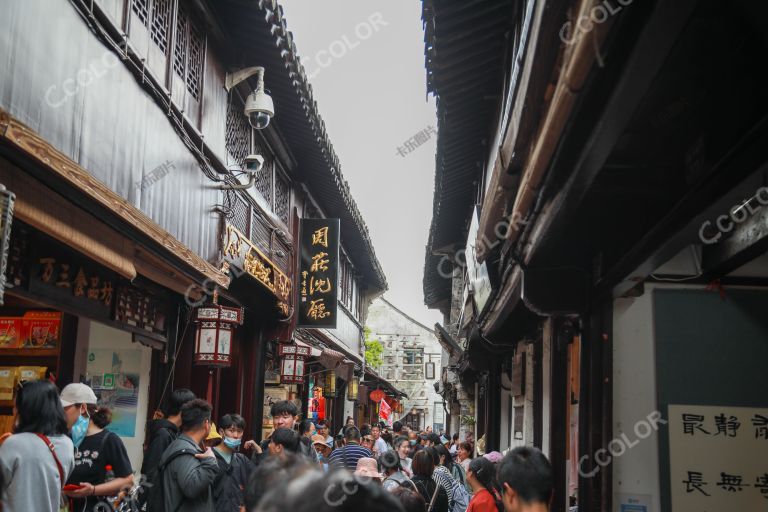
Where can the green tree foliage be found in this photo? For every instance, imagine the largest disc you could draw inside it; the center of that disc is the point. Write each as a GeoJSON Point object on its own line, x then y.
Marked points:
{"type": "Point", "coordinates": [374, 350]}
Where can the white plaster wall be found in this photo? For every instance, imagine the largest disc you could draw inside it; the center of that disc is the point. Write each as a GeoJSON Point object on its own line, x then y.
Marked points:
{"type": "Point", "coordinates": [634, 397]}
{"type": "Point", "coordinates": [93, 335]}
{"type": "Point", "coordinates": [387, 323]}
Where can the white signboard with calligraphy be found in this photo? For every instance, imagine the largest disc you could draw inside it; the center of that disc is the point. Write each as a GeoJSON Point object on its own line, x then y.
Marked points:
{"type": "Point", "coordinates": [718, 458]}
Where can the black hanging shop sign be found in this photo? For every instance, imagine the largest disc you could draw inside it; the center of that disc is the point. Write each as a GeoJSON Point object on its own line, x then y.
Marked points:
{"type": "Point", "coordinates": [43, 269]}
{"type": "Point", "coordinates": [319, 273]}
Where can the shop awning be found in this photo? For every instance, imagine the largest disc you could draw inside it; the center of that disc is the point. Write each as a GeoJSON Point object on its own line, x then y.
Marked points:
{"type": "Point", "coordinates": [373, 381]}
{"type": "Point", "coordinates": [313, 351]}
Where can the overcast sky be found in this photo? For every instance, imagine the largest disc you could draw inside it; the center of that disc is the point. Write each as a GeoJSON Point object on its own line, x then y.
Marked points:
{"type": "Point", "coordinates": [366, 63]}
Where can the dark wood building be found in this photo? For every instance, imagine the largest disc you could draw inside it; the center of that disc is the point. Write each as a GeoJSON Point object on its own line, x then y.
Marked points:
{"type": "Point", "coordinates": [124, 145]}
{"type": "Point", "coordinates": [610, 154]}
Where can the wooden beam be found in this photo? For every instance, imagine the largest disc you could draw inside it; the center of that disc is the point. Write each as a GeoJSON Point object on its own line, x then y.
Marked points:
{"type": "Point", "coordinates": [747, 241]}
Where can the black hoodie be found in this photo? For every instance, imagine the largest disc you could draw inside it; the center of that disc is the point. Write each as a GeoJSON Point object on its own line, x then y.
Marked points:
{"type": "Point", "coordinates": [161, 434]}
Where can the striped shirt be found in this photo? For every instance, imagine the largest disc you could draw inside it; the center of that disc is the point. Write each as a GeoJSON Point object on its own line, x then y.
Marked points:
{"type": "Point", "coordinates": [347, 456]}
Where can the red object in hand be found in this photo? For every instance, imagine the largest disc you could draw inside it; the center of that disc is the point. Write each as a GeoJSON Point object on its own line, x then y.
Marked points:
{"type": "Point", "coordinates": [73, 487]}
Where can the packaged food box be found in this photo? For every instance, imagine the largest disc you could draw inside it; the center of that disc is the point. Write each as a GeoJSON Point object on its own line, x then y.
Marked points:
{"type": "Point", "coordinates": [10, 332]}
{"type": "Point", "coordinates": [41, 329]}
{"type": "Point", "coordinates": [7, 382]}
{"type": "Point", "coordinates": [32, 372]}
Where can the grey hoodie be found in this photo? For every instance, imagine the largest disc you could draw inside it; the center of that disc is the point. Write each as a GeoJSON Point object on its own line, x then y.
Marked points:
{"type": "Point", "coordinates": [187, 480]}
{"type": "Point", "coordinates": [29, 473]}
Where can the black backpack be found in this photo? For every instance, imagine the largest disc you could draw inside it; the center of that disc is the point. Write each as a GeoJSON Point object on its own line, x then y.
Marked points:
{"type": "Point", "coordinates": [154, 486]}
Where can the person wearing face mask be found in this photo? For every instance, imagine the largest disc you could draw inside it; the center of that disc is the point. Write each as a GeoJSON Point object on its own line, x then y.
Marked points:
{"type": "Point", "coordinates": [234, 467]}
{"type": "Point", "coordinates": [95, 449]}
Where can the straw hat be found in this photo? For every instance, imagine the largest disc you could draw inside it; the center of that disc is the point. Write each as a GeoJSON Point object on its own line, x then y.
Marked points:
{"type": "Point", "coordinates": [213, 437]}
{"type": "Point", "coordinates": [367, 466]}
{"type": "Point", "coordinates": [318, 439]}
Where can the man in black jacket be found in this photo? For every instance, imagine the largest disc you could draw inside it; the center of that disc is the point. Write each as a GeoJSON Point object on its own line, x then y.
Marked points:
{"type": "Point", "coordinates": [162, 432]}
{"type": "Point", "coordinates": [234, 467]}
{"type": "Point", "coordinates": [189, 470]}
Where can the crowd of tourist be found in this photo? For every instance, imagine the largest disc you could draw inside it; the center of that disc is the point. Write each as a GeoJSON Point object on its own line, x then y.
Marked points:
{"type": "Point", "coordinates": [60, 455]}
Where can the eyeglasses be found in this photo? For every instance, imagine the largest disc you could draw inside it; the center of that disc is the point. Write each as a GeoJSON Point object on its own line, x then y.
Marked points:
{"type": "Point", "coordinates": [367, 438]}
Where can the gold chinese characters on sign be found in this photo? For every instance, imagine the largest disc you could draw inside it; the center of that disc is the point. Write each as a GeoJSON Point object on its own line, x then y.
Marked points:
{"type": "Point", "coordinates": [62, 275]}
{"type": "Point", "coordinates": [239, 249]}
{"type": "Point", "coordinates": [319, 272]}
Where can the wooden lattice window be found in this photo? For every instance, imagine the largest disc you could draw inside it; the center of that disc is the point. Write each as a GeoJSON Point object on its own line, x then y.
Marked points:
{"type": "Point", "coordinates": [141, 10]}
{"type": "Point", "coordinates": [264, 176]}
{"type": "Point", "coordinates": [238, 132]}
{"type": "Point", "coordinates": [161, 22]}
{"type": "Point", "coordinates": [189, 53]}
{"type": "Point", "coordinates": [241, 214]}
{"type": "Point", "coordinates": [195, 61]}
{"type": "Point", "coordinates": [282, 198]}
{"type": "Point", "coordinates": [261, 234]}
{"type": "Point", "coordinates": [180, 51]}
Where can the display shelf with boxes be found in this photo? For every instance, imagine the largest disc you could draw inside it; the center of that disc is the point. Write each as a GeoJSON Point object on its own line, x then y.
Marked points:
{"type": "Point", "coordinates": [31, 338]}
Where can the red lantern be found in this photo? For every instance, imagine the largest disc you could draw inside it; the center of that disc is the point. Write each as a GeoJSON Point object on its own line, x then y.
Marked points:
{"type": "Point", "coordinates": [213, 340]}
{"type": "Point", "coordinates": [292, 364]}
{"type": "Point", "coordinates": [376, 395]}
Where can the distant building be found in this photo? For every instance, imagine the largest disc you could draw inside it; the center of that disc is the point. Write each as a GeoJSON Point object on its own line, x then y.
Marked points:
{"type": "Point", "coordinates": [412, 363]}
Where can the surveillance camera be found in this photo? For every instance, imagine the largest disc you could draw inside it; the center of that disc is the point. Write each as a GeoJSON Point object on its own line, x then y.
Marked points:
{"type": "Point", "coordinates": [253, 163]}
{"type": "Point", "coordinates": [259, 109]}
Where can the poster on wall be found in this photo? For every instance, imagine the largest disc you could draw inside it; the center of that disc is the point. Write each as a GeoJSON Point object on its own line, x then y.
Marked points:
{"type": "Point", "coordinates": [315, 403]}
{"type": "Point", "coordinates": [272, 394]}
{"type": "Point", "coordinates": [114, 376]}
{"type": "Point", "coordinates": [718, 457]}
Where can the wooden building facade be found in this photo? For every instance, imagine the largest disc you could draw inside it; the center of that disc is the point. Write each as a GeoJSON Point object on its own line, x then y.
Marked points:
{"type": "Point", "coordinates": [122, 143]}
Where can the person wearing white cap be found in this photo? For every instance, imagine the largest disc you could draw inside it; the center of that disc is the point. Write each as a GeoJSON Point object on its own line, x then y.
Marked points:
{"type": "Point", "coordinates": [96, 450]}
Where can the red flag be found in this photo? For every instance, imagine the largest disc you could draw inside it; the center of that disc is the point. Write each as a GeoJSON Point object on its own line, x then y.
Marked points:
{"type": "Point", "coordinates": [384, 411]}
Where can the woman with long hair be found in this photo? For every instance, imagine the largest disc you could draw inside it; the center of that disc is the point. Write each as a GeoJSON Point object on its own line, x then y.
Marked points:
{"type": "Point", "coordinates": [99, 453]}
{"type": "Point", "coordinates": [434, 495]}
{"type": "Point", "coordinates": [36, 460]}
{"type": "Point", "coordinates": [482, 477]}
